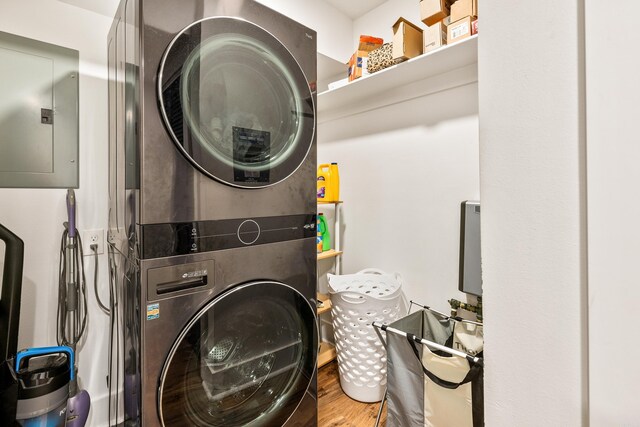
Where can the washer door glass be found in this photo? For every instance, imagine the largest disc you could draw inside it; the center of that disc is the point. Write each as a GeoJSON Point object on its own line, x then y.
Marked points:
{"type": "Point", "coordinates": [246, 359]}
{"type": "Point", "coordinates": [236, 102]}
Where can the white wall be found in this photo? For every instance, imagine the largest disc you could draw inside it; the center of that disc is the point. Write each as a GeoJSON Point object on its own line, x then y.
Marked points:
{"type": "Point", "coordinates": [334, 28]}
{"type": "Point", "coordinates": [404, 170]}
{"type": "Point", "coordinates": [378, 22]}
{"type": "Point", "coordinates": [613, 154]}
{"type": "Point", "coordinates": [533, 215]}
{"type": "Point", "coordinates": [37, 215]}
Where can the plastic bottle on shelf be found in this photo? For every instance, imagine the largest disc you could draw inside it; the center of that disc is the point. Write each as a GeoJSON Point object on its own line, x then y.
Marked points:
{"type": "Point", "coordinates": [319, 226]}
{"type": "Point", "coordinates": [335, 182]}
{"type": "Point", "coordinates": [324, 186]}
{"type": "Point", "coordinates": [324, 239]}
{"type": "Point", "coordinates": [319, 239]}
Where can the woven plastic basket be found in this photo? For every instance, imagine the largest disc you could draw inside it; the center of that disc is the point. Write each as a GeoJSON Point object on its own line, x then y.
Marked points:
{"type": "Point", "coordinates": [358, 300]}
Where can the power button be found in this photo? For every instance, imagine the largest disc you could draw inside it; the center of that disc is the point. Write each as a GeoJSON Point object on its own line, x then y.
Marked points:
{"type": "Point", "coordinates": [248, 232]}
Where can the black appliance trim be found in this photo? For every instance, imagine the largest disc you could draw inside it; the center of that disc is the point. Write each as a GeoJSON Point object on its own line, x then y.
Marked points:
{"type": "Point", "coordinates": [183, 238]}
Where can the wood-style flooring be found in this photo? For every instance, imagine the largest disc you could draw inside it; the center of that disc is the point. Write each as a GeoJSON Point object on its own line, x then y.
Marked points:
{"type": "Point", "coordinates": [336, 409]}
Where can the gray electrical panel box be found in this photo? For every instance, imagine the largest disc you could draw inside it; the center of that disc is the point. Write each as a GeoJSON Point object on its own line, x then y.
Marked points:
{"type": "Point", "coordinates": [470, 261]}
{"type": "Point", "coordinates": [38, 114]}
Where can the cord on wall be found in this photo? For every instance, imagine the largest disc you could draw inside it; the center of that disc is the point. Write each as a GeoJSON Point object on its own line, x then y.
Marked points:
{"type": "Point", "coordinates": [94, 248]}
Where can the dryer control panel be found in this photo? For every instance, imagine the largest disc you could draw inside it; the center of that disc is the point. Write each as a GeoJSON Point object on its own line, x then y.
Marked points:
{"type": "Point", "coordinates": [164, 240]}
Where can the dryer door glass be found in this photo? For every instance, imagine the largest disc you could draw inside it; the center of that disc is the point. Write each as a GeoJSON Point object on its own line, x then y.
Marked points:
{"type": "Point", "coordinates": [236, 102]}
{"type": "Point", "coordinates": [246, 359]}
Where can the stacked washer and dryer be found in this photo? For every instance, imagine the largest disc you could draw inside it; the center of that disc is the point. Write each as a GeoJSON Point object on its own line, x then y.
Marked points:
{"type": "Point", "coordinates": [212, 213]}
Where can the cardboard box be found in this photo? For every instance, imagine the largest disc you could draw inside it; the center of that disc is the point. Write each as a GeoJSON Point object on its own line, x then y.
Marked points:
{"type": "Point", "coordinates": [463, 8]}
{"type": "Point", "coordinates": [358, 61]}
{"type": "Point", "coordinates": [357, 65]}
{"type": "Point", "coordinates": [407, 40]}
{"type": "Point", "coordinates": [460, 30]}
{"type": "Point", "coordinates": [434, 11]}
{"type": "Point", "coordinates": [369, 43]}
{"type": "Point", "coordinates": [435, 36]}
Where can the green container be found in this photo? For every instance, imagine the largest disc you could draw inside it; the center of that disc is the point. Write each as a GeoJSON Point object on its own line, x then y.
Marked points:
{"type": "Point", "coordinates": [323, 230]}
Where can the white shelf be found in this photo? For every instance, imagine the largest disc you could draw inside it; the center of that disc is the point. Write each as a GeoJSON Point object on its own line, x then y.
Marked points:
{"type": "Point", "coordinates": [326, 303]}
{"type": "Point", "coordinates": [331, 253]}
{"type": "Point", "coordinates": [352, 98]}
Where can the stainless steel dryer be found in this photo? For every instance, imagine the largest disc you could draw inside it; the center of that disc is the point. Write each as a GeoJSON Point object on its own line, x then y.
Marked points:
{"type": "Point", "coordinates": [212, 212]}
{"type": "Point", "coordinates": [213, 98]}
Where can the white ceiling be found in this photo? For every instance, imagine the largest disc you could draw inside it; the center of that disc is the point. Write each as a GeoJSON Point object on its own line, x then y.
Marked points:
{"type": "Point", "coordinates": [355, 9]}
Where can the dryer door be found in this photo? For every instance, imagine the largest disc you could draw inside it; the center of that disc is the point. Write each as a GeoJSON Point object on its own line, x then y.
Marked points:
{"type": "Point", "coordinates": [236, 102]}
{"type": "Point", "coordinates": [246, 359]}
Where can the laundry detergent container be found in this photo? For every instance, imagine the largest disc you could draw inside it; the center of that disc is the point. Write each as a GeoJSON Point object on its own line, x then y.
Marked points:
{"type": "Point", "coordinates": [359, 299]}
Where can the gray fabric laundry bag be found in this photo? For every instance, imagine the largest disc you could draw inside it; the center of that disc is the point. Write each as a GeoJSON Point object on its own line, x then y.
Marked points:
{"type": "Point", "coordinates": [434, 388]}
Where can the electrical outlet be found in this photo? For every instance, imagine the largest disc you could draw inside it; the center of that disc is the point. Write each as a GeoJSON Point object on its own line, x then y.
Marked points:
{"type": "Point", "coordinates": [92, 237]}
{"type": "Point", "coordinates": [115, 236]}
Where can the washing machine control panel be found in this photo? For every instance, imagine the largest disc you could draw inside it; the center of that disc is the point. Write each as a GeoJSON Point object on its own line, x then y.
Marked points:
{"type": "Point", "coordinates": [163, 240]}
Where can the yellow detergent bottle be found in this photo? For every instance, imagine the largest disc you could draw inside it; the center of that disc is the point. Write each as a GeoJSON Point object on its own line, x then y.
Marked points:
{"type": "Point", "coordinates": [335, 182]}
{"type": "Point", "coordinates": [324, 186]}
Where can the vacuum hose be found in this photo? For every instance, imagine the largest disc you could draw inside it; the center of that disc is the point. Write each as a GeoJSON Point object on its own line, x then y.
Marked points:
{"type": "Point", "coordinates": [72, 295]}
{"type": "Point", "coordinates": [72, 308]}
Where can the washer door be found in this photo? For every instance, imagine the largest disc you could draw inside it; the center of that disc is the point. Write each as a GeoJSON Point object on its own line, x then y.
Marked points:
{"type": "Point", "coordinates": [236, 102]}
{"type": "Point", "coordinates": [246, 359]}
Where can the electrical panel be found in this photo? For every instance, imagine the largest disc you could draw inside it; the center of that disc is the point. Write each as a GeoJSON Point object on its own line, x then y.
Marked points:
{"type": "Point", "coordinates": [38, 114]}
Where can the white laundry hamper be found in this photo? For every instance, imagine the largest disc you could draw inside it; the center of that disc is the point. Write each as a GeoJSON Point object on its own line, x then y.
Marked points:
{"type": "Point", "coordinates": [359, 299]}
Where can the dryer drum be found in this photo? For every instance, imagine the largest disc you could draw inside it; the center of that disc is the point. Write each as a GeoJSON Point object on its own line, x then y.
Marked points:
{"type": "Point", "coordinates": [248, 72]}
{"type": "Point", "coordinates": [243, 361]}
{"type": "Point", "coordinates": [236, 102]}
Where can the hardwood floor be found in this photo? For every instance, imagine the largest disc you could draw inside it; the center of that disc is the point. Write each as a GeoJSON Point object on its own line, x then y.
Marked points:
{"type": "Point", "coordinates": [336, 409]}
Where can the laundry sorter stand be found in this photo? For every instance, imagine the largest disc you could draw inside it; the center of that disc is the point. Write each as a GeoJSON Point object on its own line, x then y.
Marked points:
{"type": "Point", "coordinates": [459, 337]}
